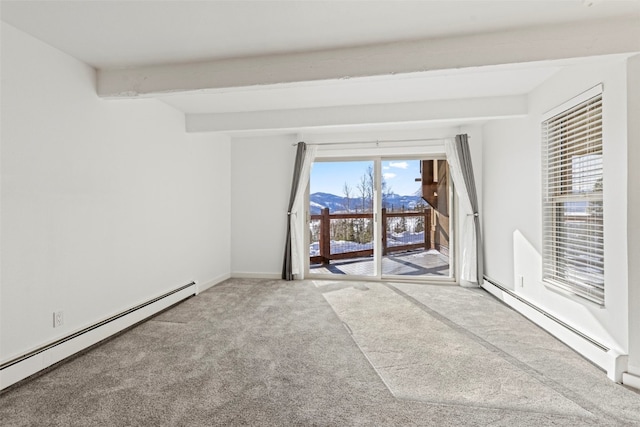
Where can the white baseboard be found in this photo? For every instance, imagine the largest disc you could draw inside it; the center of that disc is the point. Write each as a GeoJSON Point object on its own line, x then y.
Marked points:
{"type": "Point", "coordinates": [210, 283]}
{"type": "Point", "coordinates": [20, 368]}
{"type": "Point", "coordinates": [610, 360]}
{"type": "Point", "coordinates": [247, 275]}
{"type": "Point", "coordinates": [631, 380]}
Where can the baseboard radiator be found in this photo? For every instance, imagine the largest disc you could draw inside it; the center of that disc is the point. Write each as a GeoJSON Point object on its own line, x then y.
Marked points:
{"type": "Point", "coordinates": [28, 364]}
{"type": "Point", "coordinates": [611, 361]}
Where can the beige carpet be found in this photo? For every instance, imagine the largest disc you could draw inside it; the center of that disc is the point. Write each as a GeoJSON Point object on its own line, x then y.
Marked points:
{"type": "Point", "coordinates": [419, 357]}
{"type": "Point", "coordinates": [275, 353]}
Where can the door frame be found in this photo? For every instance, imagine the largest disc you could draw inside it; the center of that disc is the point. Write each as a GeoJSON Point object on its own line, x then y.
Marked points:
{"type": "Point", "coordinates": [377, 234]}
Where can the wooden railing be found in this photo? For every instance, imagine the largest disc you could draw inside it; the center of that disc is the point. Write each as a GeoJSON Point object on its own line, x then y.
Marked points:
{"type": "Point", "coordinates": [325, 234]}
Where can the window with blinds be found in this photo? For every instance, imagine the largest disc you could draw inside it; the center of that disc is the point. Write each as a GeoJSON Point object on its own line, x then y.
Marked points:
{"type": "Point", "coordinates": [573, 235]}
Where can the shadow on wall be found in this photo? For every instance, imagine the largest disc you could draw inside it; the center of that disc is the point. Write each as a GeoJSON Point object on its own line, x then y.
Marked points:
{"type": "Point", "coordinates": [591, 320]}
{"type": "Point", "coordinates": [527, 266]}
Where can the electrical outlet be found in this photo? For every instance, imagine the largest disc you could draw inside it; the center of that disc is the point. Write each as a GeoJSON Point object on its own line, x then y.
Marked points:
{"type": "Point", "coordinates": [58, 319]}
{"type": "Point", "coordinates": [521, 281]}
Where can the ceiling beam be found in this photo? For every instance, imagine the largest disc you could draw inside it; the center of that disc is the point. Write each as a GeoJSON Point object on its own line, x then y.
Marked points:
{"type": "Point", "coordinates": [508, 47]}
{"type": "Point", "coordinates": [425, 111]}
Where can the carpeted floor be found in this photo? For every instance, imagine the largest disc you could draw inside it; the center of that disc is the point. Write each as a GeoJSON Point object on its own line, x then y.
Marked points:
{"type": "Point", "coordinates": [327, 353]}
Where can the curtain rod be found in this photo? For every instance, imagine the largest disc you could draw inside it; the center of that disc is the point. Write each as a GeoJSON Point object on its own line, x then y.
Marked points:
{"type": "Point", "coordinates": [376, 141]}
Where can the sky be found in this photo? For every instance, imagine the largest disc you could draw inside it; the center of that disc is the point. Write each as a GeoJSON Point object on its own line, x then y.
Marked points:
{"type": "Point", "coordinates": [329, 177]}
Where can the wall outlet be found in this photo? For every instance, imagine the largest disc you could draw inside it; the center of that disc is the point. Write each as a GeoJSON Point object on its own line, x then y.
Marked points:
{"type": "Point", "coordinates": [58, 319]}
{"type": "Point", "coordinates": [521, 281]}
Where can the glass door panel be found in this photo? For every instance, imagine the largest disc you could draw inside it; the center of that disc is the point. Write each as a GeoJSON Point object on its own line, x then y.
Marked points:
{"type": "Point", "coordinates": [415, 218]}
{"type": "Point", "coordinates": [341, 205]}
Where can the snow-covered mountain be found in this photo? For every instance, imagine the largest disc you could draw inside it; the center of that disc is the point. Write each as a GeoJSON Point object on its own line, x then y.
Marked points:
{"type": "Point", "coordinates": [318, 201]}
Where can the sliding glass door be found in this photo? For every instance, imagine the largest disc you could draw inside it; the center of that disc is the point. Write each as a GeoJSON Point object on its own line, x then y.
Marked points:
{"type": "Point", "coordinates": [380, 218]}
{"type": "Point", "coordinates": [342, 229]}
{"type": "Point", "coordinates": [415, 218]}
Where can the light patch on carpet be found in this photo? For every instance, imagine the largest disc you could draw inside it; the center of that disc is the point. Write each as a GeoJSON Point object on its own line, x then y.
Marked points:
{"type": "Point", "coordinates": [420, 358]}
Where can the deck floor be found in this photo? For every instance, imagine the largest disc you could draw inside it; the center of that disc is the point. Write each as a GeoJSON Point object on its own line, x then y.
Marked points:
{"type": "Point", "coordinates": [415, 263]}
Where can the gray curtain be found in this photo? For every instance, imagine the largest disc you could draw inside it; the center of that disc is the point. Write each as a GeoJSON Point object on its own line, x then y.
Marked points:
{"type": "Point", "coordinates": [287, 265]}
{"type": "Point", "coordinates": [464, 157]}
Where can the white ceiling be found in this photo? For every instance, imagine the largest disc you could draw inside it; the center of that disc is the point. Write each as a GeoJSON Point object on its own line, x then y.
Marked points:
{"type": "Point", "coordinates": [108, 34]}
{"type": "Point", "coordinates": [129, 34]}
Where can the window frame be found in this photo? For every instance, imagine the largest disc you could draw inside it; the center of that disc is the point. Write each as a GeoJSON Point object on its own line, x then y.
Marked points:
{"type": "Point", "coordinates": [562, 156]}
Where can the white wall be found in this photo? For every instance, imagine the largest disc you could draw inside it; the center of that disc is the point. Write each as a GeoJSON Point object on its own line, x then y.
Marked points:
{"type": "Point", "coordinates": [105, 204]}
{"type": "Point", "coordinates": [633, 211]}
{"type": "Point", "coordinates": [512, 202]}
{"type": "Point", "coordinates": [511, 193]}
{"type": "Point", "coordinates": [261, 172]}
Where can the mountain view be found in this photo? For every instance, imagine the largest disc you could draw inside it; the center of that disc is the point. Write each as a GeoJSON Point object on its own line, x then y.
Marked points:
{"type": "Point", "coordinates": [319, 201]}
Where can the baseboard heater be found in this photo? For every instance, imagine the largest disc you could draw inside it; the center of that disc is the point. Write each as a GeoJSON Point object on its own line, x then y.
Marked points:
{"type": "Point", "coordinates": [610, 360]}
{"type": "Point", "coordinates": [23, 366]}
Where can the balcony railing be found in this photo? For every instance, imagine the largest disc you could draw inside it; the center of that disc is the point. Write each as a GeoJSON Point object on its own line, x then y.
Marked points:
{"type": "Point", "coordinates": [361, 224]}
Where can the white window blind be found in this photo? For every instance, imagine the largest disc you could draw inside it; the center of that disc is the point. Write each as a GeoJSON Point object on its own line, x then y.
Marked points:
{"type": "Point", "coordinates": [573, 235]}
